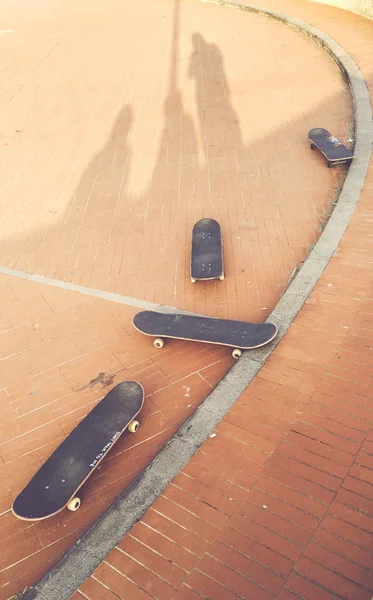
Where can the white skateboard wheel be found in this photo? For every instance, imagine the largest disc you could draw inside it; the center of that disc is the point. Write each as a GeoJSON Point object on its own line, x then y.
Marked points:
{"type": "Point", "coordinates": [133, 426]}
{"type": "Point", "coordinates": [74, 504]}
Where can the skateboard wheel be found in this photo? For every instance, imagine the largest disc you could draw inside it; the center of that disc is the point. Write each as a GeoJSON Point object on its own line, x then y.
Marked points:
{"type": "Point", "coordinates": [236, 353]}
{"type": "Point", "coordinates": [158, 343]}
{"type": "Point", "coordinates": [133, 426]}
{"type": "Point", "coordinates": [221, 277]}
{"type": "Point", "coordinates": [74, 504]}
{"type": "Point", "coordinates": [193, 280]}
{"type": "Point", "coordinates": [313, 147]}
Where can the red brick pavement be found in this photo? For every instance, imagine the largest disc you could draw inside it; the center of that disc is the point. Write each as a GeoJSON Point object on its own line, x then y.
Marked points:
{"type": "Point", "coordinates": [114, 211]}
{"type": "Point", "coordinates": [278, 502]}
{"type": "Point", "coordinates": [123, 145]}
{"type": "Point", "coordinates": [60, 353]}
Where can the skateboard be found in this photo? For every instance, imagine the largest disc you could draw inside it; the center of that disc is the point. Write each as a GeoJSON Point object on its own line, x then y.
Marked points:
{"type": "Point", "coordinates": [333, 150]}
{"type": "Point", "coordinates": [58, 480]}
{"type": "Point", "coordinates": [207, 251]}
{"type": "Point", "coordinates": [237, 334]}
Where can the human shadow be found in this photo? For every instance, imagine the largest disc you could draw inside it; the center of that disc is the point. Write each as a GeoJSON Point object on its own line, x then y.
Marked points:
{"type": "Point", "coordinates": [138, 244]}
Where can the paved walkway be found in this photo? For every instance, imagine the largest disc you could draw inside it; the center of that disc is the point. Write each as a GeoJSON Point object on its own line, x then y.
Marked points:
{"type": "Point", "coordinates": [277, 502]}
{"type": "Point", "coordinates": [122, 146]}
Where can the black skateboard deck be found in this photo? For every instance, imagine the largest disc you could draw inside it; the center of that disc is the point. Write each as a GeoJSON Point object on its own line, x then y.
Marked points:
{"type": "Point", "coordinates": [237, 334]}
{"type": "Point", "coordinates": [56, 483]}
{"type": "Point", "coordinates": [333, 150]}
{"type": "Point", "coordinates": [207, 251]}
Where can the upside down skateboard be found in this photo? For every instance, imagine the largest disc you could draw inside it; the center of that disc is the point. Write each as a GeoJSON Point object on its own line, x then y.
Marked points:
{"type": "Point", "coordinates": [237, 334]}
{"type": "Point", "coordinates": [333, 150]}
{"type": "Point", "coordinates": [55, 485]}
{"type": "Point", "coordinates": [207, 251]}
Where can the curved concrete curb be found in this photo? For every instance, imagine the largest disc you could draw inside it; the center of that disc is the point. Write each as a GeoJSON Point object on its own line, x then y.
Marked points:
{"type": "Point", "coordinates": [78, 564]}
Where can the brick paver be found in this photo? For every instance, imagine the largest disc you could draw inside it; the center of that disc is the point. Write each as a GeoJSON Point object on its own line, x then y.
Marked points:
{"type": "Point", "coordinates": [120, 146]}
{"type": "Point", "coordinates": [60, 353]}
{"type": "Point", "coordinates": [116, 136]}
{"type": "Point", "coordinates": [278, 501]}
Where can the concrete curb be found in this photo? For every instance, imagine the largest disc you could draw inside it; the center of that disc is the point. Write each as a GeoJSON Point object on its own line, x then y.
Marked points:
{"type": "Point", "coordinates": [81, 560]}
